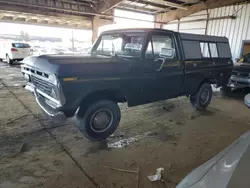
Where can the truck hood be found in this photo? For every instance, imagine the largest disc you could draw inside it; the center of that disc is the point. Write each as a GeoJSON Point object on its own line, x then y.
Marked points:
{"type": "Point", "coordinates": [242, 67]}
{"type": "Point", "coordinates": [86, 64]}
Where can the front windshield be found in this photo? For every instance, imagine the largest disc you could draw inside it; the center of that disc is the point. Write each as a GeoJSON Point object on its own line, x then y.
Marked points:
{"type": "Point", "coordinates": [121, 44]}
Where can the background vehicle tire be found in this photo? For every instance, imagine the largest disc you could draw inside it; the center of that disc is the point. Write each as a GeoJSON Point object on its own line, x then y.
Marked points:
{"type": "Point", "coordinates": [99, 120]}
{"type": "Point", "coordinates": [203, 97]}
{"type": "Point", "coordinates": [9, 61]}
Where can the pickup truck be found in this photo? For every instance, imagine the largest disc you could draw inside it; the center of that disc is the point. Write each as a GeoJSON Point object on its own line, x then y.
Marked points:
{"type": "Point", "coordinates": [240, 78]}
{"type": "Point", "coordinates": [136, 66]}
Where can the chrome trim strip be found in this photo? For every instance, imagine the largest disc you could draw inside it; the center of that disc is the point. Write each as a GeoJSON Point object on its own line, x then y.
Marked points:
{"type": "Point", "coordinates": [48, 97]}
{"type": "Point", "coordinates": [30, 87]}
{"type": "Point", "coordinates": [36, 75]}
{"type": "Point", "coordinates": [55, 115]}
{"type": "Point", "coordinates": [235, 78]}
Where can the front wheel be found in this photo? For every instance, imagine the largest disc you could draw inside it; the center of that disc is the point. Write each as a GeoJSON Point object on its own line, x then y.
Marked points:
{"type": "Point", "coordinates": [203, 97]}
{"type": "Point", "coordinates": [99, 120]}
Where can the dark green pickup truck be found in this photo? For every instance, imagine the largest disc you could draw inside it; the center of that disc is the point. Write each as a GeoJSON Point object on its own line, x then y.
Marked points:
{"type": "Point", "coordinates": [136, 66]}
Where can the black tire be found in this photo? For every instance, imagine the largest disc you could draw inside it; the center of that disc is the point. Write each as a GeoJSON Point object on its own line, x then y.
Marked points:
{"type": "Point", "coordinates": [9, 61]}
{"type": "Point", "coordinates": [87, 122]}
{"type": "Point", "coordinates": [203, 97]}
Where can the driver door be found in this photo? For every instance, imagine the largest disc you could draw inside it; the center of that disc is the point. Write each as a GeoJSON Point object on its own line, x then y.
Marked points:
{"type": "Point", "coordinates": [163, 72]}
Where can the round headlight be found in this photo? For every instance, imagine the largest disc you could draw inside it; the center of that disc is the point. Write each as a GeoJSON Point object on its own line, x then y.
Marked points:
{"type": "Point", "coordinates": [53, 79]}
{"type": "Point", "coordinates": [27, 77]}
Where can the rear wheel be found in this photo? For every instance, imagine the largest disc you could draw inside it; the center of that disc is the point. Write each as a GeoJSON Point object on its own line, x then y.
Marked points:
{"type": "Point", "coordinates": [99, 120]}
{"type": "Point", "coordinates": [203, 97]}
{"type": "Point", "coordinates": [9, 61]}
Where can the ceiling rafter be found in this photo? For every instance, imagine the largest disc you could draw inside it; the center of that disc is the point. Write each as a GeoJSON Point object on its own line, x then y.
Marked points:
{"type": "Point", "coordinates": [209, 4]}
{"type": "Point", "coordinates": [107, 5]}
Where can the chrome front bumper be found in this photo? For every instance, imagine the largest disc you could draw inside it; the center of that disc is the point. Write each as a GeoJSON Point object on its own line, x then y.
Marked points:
{"type": "Point", "coordinates": [54, 114]}
{"type": "Point", "coordinates": [238, 82]}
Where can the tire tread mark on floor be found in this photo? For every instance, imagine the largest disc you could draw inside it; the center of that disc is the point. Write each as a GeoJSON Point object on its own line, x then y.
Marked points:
{"type": "Point", "coordinates": [61, 145]}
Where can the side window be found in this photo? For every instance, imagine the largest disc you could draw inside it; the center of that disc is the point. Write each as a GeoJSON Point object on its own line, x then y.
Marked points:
{"type": "Point", "coordinates": [213, 49]}
{"type": "Point", "coordinates": [109, 42]}
{"type": "Point", "coordinates": [158, 42]}
{"type": "Point", "coordinates": [105, 45]}
{"type": "Point", "coordinates": [149, 51]}
{"type": "Point", "coordinates": [204, 50]}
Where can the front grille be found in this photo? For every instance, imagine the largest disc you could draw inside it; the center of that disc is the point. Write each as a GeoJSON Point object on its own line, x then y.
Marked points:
{"type": "Point", "coordinates": [241, 74]}
{"type": "Point", "coordinates": [35, 71]}
{"type": "Point", "coordinates": [239, 82]}
{"type": "Point", "coordinates": [44, 86]}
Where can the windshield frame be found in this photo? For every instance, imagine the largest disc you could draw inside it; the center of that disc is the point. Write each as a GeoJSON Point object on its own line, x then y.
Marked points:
{"type": "Point", "coordinates": [98, 41]}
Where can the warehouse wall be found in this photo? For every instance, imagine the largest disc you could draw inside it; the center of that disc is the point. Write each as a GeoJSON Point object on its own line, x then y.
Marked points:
{"type": "Point", "coordinates": [198, 27]}
{"type": "Point", "coordinates": [236, 30]}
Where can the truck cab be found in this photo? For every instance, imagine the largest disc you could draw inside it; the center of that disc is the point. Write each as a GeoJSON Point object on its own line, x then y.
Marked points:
{"type": "Point", "coordinates": [136, 66]}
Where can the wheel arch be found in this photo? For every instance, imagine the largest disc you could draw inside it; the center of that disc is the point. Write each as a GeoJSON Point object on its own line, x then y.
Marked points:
{"type": "Point", "coordinates": [107, 94]}
{"type": "Point", "coordinates": [211, 80]}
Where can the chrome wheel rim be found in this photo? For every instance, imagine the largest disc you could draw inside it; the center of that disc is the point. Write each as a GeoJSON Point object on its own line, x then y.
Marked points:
{"type": "Point", "coordinates": [204, 97]}
{"type": "Point", "coordinates": [101, 120]}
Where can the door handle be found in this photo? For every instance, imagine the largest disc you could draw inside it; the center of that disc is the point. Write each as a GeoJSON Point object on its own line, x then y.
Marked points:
{"type": "Point", "coordinates": [162, 63]}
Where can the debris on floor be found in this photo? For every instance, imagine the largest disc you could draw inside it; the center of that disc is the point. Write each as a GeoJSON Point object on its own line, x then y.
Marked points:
{"type": "Point", "coordinates": [125, 142]}
{"type": "Point", "coordinates": [119, 169]}
{"type": "Point", "coordinates": [118, 135]}
{"type": "Point", "coordinates": [157, 176]}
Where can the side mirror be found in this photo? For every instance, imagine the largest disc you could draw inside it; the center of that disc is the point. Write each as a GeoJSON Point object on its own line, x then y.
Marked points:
{"type": "Point", "coordinates": [167, 53]}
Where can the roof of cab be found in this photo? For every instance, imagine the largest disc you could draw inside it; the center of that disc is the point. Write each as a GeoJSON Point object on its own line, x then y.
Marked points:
{"type": "Point", "coordinates": [135, 30]}
{"type": "Point", "coordinates": [185, 36]}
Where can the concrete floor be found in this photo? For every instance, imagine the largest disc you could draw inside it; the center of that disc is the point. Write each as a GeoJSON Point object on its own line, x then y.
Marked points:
{"type": "Point", "coordinates": [168, 134]}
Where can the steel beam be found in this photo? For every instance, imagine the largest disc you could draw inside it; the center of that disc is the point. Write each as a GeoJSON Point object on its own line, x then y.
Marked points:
{"type": "Point", "coordinates": [152, 3]}
{"type": "Point", "coordinates": [209, 4]}
{"type": "Point", "coordinates": [107, 5]}
{"type": "Point", "coordinates": [44, 23]}
{"type": "Point", "coordinates": [136, 8]}
{"type": "Point", "coordinates": [168, 4]}
{"type": "Point", "coordinates": [46, 7]}
{"type": "Point", "coordinates": [190, 1]}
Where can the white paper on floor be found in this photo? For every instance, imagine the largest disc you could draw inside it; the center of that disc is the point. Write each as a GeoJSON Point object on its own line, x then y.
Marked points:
{"type": "Point", "coordinates": [157, 176]}
{"type": "Point", "coordinates": [125, 142]}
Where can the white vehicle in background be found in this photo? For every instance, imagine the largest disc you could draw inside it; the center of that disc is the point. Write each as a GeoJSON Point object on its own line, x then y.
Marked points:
{"type": "Point", "coordinates": [14, 51]}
